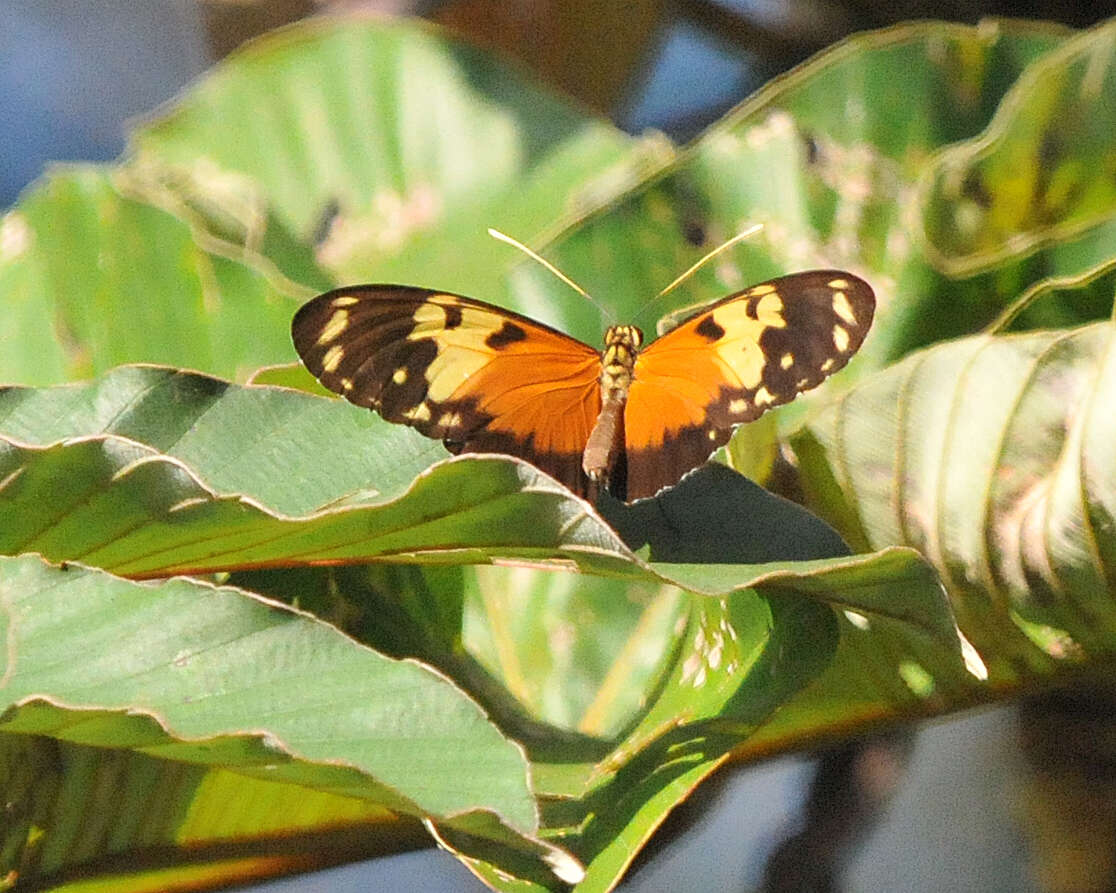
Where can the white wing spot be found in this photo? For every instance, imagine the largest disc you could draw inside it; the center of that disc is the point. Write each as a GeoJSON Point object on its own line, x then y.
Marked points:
{"type": "Point", "coordinates": [450, 420]}
{"type": "Point", "coordinates": [420, 413]}
{"type": "Point", "coordinates": [843, 308]}
{"type": "Point", "coordinates": [347, 384]}
{"type": "Point", "coordinates": [757, 290]}
{"type": "Point", "coordinates": [399, 376]}
{"type": "Point", "coordinates": [838, 283]}
{"type": "Point", "coordinates": [737, 407]}
{"type": "Point", "coordinates": [345, 301]}
{"type": "Point", "coordinates": [712, 434]}
{"type": "Point", "coordinates": [827, 365]}
{"type": "Point", "coordinates": [336, 325]}
{"type": "Point", "coordinates": [840, 339]}
{"type": "Point", "coordinates": [764, 397]}
{"type": "Point", "coordinates": [787, 360]}
{"type": "Point", "coordinates": [331, 359]}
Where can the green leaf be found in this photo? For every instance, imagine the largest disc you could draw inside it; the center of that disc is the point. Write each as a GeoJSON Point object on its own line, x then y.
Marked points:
{"type": "Point", "coordinates": [723, 657]}
{"type": "Point", "coordinates": [240, 440]}
{"type": "Point", "coordinates": [75, 811]}
{"type": "Point", "coordinates": [1041, 172]}
{"type": "Point", "coordinates": [345, 140]}
{"type": "Point", "coordinates": [993, 455]}
{"type": "Point", "coordinates": [121, 506]}
{"type": "Point", "coordinates": [688, 523]}
{"type": "Point", "coordinates": [88, 255]}
{"type": "Point", "coordinates": [103, 472]}
{"type": "Point", "coordinates": [216, 475]}
{"type": "Point", "coordinates": [215, 676]}
{"type": "Point", "coordinates": [130, 506]}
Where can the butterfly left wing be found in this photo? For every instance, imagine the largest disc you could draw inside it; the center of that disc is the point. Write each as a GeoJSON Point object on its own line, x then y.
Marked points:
{"type": "Point", "coordinates": [730, 362]}
{"type": "Point", "coordinates": [481, 378]}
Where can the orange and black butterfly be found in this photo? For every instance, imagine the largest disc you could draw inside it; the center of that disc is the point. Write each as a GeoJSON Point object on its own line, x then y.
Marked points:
{"type": "Point", "coordinates": [632, 418]}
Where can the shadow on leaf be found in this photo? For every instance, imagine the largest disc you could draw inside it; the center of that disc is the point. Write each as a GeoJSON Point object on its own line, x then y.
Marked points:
{"type": "Point", "coordinates": [716, 515]}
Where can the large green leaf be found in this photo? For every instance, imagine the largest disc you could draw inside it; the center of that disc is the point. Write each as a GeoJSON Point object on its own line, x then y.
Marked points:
{"type": "Point", "coordinates": [399, 142]}
{"type": "Point", "coordinates": [1040, 172]}
{"type": "Point", "coordinates": [96, 277]}
{"type": "Point", "coordinates": [994, 456]}
{"type": "Point", "coordinates": [189, 417]}
{"type": "Point", "coordinates": [127, 471]}
{"type": "Point", "coordinates": [172, 674]}
{"type": "Point", "coordinates": [718, 687]}
{"type": "Point", "coordinates": [78, 811]}
{"type": "Point", "coordinates": [196, 674]}
{"type": "Point", "coordinates": [153, 471]}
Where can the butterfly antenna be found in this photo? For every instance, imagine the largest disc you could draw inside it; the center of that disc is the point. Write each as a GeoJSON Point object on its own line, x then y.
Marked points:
{"type": "Point", "coordinates": [496, 234]}
{"type": "Point", "coordinates": [739, 237]}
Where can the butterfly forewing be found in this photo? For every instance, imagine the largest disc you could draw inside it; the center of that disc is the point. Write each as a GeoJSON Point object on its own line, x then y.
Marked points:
{"type": "Point", "coordinates": [732, 361]}
{"type": "Point", "coordinates": [479, 377]}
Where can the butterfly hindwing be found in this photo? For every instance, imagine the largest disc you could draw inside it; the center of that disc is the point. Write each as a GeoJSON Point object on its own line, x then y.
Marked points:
{"type": "Point", "coordinates": [732, 361]}
{"type": "Point", "coordinates": [479, 377]}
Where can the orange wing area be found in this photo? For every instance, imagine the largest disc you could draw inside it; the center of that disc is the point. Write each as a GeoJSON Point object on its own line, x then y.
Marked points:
{"type": "Point", "coordinates": [478, 377]}
{"type": "Point", "coordinates": [730, 363]}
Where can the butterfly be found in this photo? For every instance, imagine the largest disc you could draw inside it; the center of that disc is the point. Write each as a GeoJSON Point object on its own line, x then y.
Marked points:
{"type": "Point", "coordinates": [631, 418]}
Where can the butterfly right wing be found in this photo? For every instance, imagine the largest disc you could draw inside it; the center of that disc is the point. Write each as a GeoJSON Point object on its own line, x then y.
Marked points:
{"type": "Point", "coordinates": [481, 378]}
{"type": "Point", "coordinates": [731, 362]}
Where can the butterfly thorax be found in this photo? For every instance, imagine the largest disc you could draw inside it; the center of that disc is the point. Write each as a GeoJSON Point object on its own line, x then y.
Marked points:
{"type": "Point", "coordinates": [606, 440]}
{"type": "Point", "coordinates": [622, 343]}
